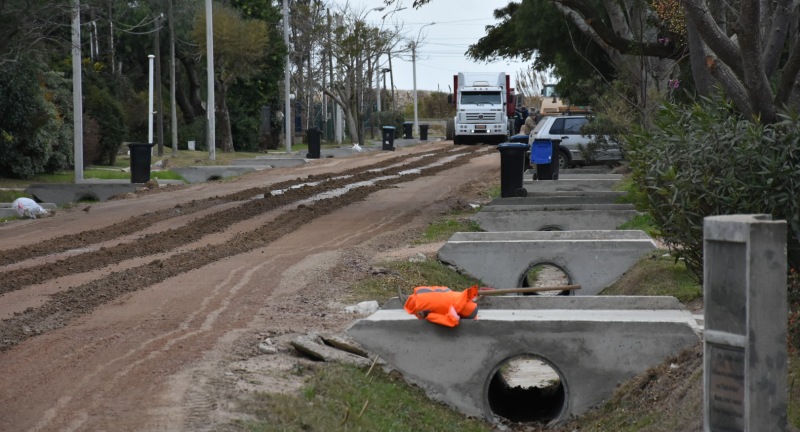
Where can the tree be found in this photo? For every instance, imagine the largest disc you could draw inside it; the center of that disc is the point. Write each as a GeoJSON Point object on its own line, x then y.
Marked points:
{"type": "Point", "coordinates": [27, 26]}
{"type": "Point", "coordinates": [535, 30]}
{"type": "Point", "coordinates": [354, 46]}
{"type": "Point", "coordinates": [755, 59]}
{"type": "Point", "coordinates": [749, 48]}
{"type": "Point", "coordinates": [252, 132]}
{"type": "Point", "coordinates": [34, 120]}
{"type": "Point", "coordinates": [240, 47]}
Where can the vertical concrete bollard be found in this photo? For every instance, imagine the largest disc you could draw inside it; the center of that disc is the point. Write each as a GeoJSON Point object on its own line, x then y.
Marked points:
{"type": "Point", "coordinates": [745, 358]}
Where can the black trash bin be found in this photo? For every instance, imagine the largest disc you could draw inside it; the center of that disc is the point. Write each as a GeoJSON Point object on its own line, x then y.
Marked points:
{"type": "Point", "coordinates": [512, 168]}
{"type": "Point", "coordinates": [423, 132]}
{"type": "Point", "coordinates": [408, 130]}
{"type": "Point", "coordinates": [544, 155]}
{"type": "Point", "coordinates": [141, 155]}
{"type": "Point", "coordinates": [313, 137]}
{"type": "Point", "coordinates": [388, 137]}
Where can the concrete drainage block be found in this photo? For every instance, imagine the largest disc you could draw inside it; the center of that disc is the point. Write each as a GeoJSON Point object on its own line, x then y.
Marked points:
{"type": "Point", "coordinates": [584, 351]}
{"type": "Point", "coordinates": [569, 185]}
{"type": "Point", "coordinates": [554, 217]}
{"type": "Point", "coordinates": [538, 198]}
{"type": "Point", "coordinates": [592, 259]}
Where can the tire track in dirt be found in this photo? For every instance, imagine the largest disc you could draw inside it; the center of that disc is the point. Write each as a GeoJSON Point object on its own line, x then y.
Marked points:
{"type": "Point", "coordinates": [132, 225]}
{"type": "Point", "coordinates": [212, 223]}
{"type": "Point", "coordinates": [77, 301]}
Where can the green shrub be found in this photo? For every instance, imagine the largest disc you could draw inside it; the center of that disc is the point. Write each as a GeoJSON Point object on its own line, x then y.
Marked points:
{"type": "Point", "coordinates": [107, 111]}
{"type": "Point", "coordinates": [391, 118]}
{"type": "Point", "coordinates": [703, 160]}
{"type": "Point", "coordinates": [35, 124]}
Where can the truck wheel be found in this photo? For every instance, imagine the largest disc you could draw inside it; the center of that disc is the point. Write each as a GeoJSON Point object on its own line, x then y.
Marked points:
{"type": "Point", "coordinates": [450, 130]}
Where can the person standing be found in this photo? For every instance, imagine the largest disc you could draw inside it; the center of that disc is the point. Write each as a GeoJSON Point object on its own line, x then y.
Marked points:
{"type": "Point", "coordinates": [530, 122]}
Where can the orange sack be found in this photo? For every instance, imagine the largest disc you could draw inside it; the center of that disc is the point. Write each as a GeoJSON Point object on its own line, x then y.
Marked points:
{"type": "Point", "coordinates": [441, 305]}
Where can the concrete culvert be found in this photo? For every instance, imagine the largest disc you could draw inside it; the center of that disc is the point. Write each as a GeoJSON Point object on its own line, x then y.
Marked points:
{"type": "Point", "coordinates": [545, 275]}
{"type": "Point", "coordinates": [527, 389]}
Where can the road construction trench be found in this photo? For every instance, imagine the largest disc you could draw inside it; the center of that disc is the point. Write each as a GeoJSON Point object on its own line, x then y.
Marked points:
{"type": "Point", "coordinates": [72, 302]}
{"type": "Point", "coordinates": [81, 240]}
{"type": "Point", "coordinates": [211, 223]}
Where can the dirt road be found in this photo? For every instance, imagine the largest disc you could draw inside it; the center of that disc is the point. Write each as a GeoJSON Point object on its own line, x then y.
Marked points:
{"type": "Point", "coordinates": [144, 313]}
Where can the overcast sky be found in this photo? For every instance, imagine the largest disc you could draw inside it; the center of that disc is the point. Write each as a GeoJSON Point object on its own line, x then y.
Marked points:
{"type": "Point", "coordinates": [458, 24]}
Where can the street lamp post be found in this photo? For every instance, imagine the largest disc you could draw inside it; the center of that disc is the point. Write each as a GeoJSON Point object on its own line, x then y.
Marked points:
{"type": "Point", "coordinates": [414, 74]}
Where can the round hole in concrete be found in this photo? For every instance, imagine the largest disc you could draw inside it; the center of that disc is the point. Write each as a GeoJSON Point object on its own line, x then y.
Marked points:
{"type": "Point", "coordinates": [527, 389]}
{"type": "Point", "coordinates": [87, 198]}
{"type": "Point", "coordinates": [546, 275]}
{"type": "Point", "coordinates": [214, 177]}
{"type": "Point", "coordinates": [551, 228]}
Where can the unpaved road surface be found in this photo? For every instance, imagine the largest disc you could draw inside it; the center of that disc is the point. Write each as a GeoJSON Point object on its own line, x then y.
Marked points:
{"type": "Point", "coordinates": [145, 313]}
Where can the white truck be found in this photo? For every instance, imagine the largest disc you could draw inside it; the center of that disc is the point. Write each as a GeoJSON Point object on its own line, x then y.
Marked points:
{"type": "Point", "coordinates": [485, 106]}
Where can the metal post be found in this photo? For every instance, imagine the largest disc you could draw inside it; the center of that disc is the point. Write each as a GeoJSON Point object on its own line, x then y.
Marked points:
{"type": "Point", "coordinates": [151, 59]}
{"type": "Point", "coordinates": [414, 70]}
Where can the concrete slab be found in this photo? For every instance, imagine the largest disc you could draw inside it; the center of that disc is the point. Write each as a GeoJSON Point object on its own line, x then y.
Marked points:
{"type": "Point", "coordinates": [578, 175]}
{"type": "Point", "coordinates": [592, 259]}
{"type": "Point", "coordinates": [569, 185]}
{"type": "Point", "coordinates": [62, 194]}
{"type": "Point", "coordinates": [266, 162]}
{"type": "Point", "coordinates": [561, 198]}
{"type": "Point", "coordinates": [589, 176]}
{"type": "Point", "coordinates": [201, 174]}
{"type": "Point", "coordinates": [568, 302]}
{"type": "Point", "coordinates": [554, 218]}
{"type": "Point", "coordinates": [599, 169]}
{"type": "Point", "coordinates": [592, 351]}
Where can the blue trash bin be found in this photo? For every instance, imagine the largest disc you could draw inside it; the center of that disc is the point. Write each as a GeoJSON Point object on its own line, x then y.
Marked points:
{"type": "Point", "coordinates": [544, 155]}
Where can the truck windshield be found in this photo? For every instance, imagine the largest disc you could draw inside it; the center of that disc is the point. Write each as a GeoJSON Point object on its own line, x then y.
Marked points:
{"type": "Point", "coordinates": [478, 98]}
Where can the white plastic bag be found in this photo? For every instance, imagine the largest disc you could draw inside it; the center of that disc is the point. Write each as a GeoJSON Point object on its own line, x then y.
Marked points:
{"type": "Point", "coordinates": [27, 207]}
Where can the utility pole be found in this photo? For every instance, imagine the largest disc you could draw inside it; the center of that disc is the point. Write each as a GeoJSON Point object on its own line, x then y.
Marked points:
{"type": "Point", "coordinates": [414, 68]}
{"type": "Point", "coordinates": [172, 109]}
{"type": "Point", "coordinates": [77, 92]}
{"type": "Point", "coordinates": [160, 102]}
{"type": "Point", "coordinates": [286, 78]}
{"type": "Point", "coordinates": [211, 108]}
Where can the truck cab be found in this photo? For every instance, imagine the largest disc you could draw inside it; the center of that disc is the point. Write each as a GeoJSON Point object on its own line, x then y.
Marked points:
{"type": "Point", "coordinates": [482, 102]}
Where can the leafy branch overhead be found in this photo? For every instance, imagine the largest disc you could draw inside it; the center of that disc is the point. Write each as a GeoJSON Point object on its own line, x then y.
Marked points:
{"type": "Point", "coordinates": [750, 48]}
